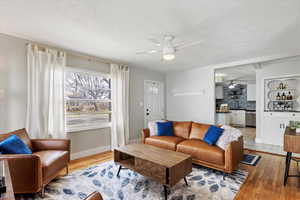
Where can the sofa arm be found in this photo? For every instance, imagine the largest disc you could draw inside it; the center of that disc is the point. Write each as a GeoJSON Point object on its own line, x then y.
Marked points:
{"type": "Point", "coordinates": [25, 171]}
{"type": "Point", "coordinates": [50, 144]}
{"type": "Point", "coordinates": [145, 134]}
{"type": "Point", "coordinates": [234, 154]}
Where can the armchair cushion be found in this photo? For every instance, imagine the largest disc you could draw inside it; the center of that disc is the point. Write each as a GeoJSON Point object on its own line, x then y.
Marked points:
{"type": "Point", "coordinates": [14, 145]}
{"type": "Point", "coordinates": [52, 161]}
{"type": "Point", "coordinates": [50, 144]}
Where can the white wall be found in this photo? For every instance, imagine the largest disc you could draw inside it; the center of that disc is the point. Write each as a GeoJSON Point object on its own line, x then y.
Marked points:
{"type": "Point", "coordinates": [13, 96]}
{"type": "Point", "coordinates": [271, 70]}
{"type": "Point", "coordinates": [13, 83]}
{"type": "Point", "coordinates": [191, 95]}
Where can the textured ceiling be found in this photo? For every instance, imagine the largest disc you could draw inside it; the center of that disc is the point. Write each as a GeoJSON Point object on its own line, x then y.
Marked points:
{"type": "Point", "coordinates": [231, 30]}
{"type": "Point", "coordinates": [244, 73]}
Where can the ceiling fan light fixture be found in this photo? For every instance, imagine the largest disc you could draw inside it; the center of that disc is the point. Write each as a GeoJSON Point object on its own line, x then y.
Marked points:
{"type": "Point", "coordinates": [231, 86]}
{"type": "Point", "coordinates": [169, 56]}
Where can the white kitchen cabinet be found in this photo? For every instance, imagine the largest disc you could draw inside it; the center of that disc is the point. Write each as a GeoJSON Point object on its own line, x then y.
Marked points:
{"type": "Point", "coordinates": [274, 124]}
{"type": "Point", "coordinates": [223, 118]}
{"type": "Point", "coordinates": [219, 92]}
{"type": "Point", "coordinates": [238, 118]}
{"type": "Point", "coordinates": [251, 92]}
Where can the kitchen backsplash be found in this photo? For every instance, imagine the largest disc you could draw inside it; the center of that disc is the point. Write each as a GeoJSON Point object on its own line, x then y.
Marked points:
{"type": "Point", "coordinates": [237, 102]}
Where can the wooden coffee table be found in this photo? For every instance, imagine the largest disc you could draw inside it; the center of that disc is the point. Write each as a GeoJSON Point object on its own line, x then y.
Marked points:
{"type": "Point", "coordinates": [164, 166]}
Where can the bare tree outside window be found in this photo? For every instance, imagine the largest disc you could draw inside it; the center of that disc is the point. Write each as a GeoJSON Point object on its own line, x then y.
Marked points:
{"type": "Point", "coordinates": [87, 100]}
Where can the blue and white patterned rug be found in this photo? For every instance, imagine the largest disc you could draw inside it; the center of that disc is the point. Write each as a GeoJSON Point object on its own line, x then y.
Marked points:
{"type": "Point", "coordinates": [203, 183]}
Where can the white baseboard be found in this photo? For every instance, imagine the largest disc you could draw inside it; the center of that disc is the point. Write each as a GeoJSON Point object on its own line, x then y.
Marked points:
{"type": "Point", "coordinates": [90, 152]}
{"type": "Point", "coordinates": [134, 141]}
{"type": "Point", "coordinates": [258, 140]}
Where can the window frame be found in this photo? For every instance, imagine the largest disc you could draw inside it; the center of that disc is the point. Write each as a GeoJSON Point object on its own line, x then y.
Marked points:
{"type": "Point", "coordinates": [91, 72]}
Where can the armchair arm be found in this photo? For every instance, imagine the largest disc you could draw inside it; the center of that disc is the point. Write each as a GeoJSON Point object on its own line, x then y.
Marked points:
{"type": "Point", "coordinates": [25, 171]}
{"type": "Point", "coordinates": [94, 196]}
{"type": "Point", "coordinates": [145, 134]}
{"type": "Point", "coordinates": [50, 144]}
{"type": "Point", "coordinates": [234, 154]}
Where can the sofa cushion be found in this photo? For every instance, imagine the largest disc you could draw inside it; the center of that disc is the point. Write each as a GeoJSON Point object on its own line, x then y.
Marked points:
{"type": "Point", "coordinates": [52, 161]}
{"type": "Point", "coordinates": [152, 125]}
{"type": "Point", "coordinates": [14, 145]}
{"type": "Point", "coordinates": [198, 131]}
{"type": "Point", "coordinates": [202, 151]}
{"type": "Point", "coordinates": [165, 129]}
{"type": "Point", "coordinates": [182, 129]}
{"type": "Point", "coordinates": [166, 142]}
{"type": "Point", "coordinates": [212, 135]}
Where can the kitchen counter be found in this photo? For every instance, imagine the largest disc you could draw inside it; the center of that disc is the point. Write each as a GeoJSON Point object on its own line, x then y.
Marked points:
{"type": "Point", "coordinates": [248, 110]}
{"type": "Point", "coordinates": [228, 112]}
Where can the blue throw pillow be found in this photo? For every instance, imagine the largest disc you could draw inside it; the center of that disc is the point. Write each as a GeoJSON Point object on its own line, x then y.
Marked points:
{"type": "Point", "coordinates": [165, 128]}
{"type": "Point", "coordinates": [14, 145]}
{"type": "Point", "coordinates": [212, 135]}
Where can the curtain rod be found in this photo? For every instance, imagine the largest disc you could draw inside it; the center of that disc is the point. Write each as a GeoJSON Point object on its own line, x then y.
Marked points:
{"type": "Point", "coordinates": [43, 47]}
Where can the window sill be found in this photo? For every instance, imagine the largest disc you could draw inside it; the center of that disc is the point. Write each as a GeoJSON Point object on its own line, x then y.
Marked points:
{"type": "Point", "coordinates": [82, 129]}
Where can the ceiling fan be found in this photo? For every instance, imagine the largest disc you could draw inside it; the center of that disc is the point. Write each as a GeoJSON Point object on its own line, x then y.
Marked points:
{"type": "Point", "coordinates": [167, 48]}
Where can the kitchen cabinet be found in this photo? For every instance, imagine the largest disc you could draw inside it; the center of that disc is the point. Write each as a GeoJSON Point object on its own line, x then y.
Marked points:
{"type": "Point", "coordinates": [250, 119]}
{"type": "Point", "coordinates": [251, 92]}
{"type": "Point", "coordinates": [274, 124]}
{"type": "Point", "coordinates": [238, 118]}
{"type": "Point", "coordinates": [223, 118]}
{"type": "Point", "coordinates": [219, 92]}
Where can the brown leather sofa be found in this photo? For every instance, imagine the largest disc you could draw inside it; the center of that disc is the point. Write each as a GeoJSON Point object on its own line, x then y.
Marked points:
{"type": "Point", "coordinates": [188, 138]}
{"type": "Point", "coordinates": [94, 196]}
{"type": "Point", "coordinates": [30, 173]}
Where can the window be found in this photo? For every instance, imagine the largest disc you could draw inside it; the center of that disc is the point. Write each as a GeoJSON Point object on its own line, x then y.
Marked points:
{"type": "Point", "coordinates": [87, 100]}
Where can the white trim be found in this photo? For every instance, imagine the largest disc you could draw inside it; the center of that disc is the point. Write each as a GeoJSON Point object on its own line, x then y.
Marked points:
{"type": "Point", "coordinates": [263, 59]}
{"type": "Point", "coordinates": [87, 71]}
{"type": "Point", "coordinates": [85, 128]}
{"type": "Point", "coordinates": [90, 152]}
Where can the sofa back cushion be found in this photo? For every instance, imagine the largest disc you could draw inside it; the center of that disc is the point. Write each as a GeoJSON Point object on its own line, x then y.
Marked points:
{"type": "Point", "coordinates": [198, 130]}
{"type": "Point", "coordinates": [182, 129]}
{"type": "Point", "coordinates": [165, 129]}
{"type": "Point", "coordinates": [21, 134]}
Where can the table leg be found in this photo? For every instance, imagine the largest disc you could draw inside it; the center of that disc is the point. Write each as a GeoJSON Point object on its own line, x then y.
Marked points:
{"type": "Point", "coordinates": [166, 192]}
{"type": "Point", "coordinates": [287, 166]}
{"type": "Point", "coordinates": [118, 174]}
{"type": "Point", "coordinates": [186, 181]}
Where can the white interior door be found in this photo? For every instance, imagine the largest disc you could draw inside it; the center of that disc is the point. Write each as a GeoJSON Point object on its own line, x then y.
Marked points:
{"type": "Point", "coordinates": [153, 101]}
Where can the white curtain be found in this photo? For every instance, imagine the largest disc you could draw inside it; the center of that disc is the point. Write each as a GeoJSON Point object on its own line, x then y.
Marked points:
{"type": "Point", "coordinates": [45, 103]}
{"type": "Point", "coordinates": [120, 98]}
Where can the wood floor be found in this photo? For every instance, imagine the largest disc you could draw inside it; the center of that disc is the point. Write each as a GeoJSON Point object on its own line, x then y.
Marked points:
{"type": "Point", "coordinates": [265, 180]}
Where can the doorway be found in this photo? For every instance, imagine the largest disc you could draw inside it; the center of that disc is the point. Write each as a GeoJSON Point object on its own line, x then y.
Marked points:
{"type": "Point", "coordinates": [236, 100]}
{"type": "Point", "coordinates": [153, 101]}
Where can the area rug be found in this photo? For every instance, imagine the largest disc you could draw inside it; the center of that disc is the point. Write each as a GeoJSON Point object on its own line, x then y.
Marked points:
{"type": "Point", "coordinates": [203, 183]}
{"type": "Point", "coordinates": [251, 159]}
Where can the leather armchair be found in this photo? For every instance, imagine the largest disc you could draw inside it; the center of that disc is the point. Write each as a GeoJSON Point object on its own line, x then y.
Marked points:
{"type": "Point", "coordinates": [94, 196]}
{"type": "Point", "coordinates": [30, 173]}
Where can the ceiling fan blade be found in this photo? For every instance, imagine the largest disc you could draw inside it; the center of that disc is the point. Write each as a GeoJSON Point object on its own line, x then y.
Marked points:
{"type": "Point", "coordinates": [147, 52]}
{"type": "Point", "coordinates": [155, 41]}
{"type": "Point", "coordinates": [185, 45]}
